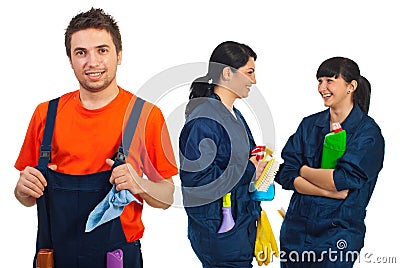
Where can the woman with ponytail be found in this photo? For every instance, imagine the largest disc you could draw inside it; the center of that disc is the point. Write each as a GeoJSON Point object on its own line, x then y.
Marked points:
{"type": "Point", "coordinates": [324, 224]}
{"type": "Point", "coordinates": [215, 145]}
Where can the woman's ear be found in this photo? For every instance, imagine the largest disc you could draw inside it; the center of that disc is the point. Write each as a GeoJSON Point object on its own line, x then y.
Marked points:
{"type": "Point", "coordinates": [226, 74]}
{"type": "Point", "coordinates": [353, 85]}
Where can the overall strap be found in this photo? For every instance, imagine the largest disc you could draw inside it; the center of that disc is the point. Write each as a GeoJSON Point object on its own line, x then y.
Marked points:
{"type": "Point", "coordinates": [45, 148]}
{"type": "Point", "coordinates": [129, 132]}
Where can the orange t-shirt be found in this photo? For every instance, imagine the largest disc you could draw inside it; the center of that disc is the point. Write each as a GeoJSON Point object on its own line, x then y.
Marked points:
{"type": "Point", "coordinates": [83, 139]}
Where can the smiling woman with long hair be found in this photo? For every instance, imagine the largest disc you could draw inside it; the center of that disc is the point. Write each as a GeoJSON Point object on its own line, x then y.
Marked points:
{"type": "Point", "coordinates": [327, 209]}
{"type": "Point", "coordinates": [215, 145]}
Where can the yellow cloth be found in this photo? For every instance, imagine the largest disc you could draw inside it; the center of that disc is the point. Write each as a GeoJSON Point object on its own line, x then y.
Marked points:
{"type": "Point", "coordinates": [265, 241]}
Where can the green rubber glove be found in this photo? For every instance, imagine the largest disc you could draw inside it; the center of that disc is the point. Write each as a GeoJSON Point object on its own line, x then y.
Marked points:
{"type": "Point", "coordinates": [265, 244]}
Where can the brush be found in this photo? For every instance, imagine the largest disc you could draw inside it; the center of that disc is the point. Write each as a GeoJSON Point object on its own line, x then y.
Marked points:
{"type": "Point", "coordinates": [263, 187]}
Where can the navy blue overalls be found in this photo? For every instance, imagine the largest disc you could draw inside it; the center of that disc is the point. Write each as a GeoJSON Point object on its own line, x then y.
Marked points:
{"type": "Point", "coordinates": [210, 120]}
{"type": "Point", "coordinates": [65, 205]}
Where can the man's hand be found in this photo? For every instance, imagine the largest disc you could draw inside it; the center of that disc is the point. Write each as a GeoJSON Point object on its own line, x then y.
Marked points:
{"type": "Point", "coordinates": [30, 185]}
{"type": "Point", "coordinates": [125, 178]}
{"type": "Point", "coordinates": [158, 194]}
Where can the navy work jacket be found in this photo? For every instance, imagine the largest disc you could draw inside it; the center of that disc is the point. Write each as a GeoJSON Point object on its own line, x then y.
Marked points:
{"type": "Point", "coordinates": [318, 223]}
{"type": "Point", "coordinates": [214, 155]}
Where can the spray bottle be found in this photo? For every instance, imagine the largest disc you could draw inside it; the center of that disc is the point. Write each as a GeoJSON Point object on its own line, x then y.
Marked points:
{"type": "Point", "coordinates": [334, 146]}
{"type": "Point", "coordinates": [263, 188]}
{"type": "Point", "coordinates": [115, 259]}
{"type": "Point", "coordinates": [227, 220]}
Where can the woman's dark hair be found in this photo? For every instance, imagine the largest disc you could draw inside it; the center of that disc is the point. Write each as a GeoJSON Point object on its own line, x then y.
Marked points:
{"type": "Point", "coordinates": [349, 71]}
{"type": "Point", "coordinates": [95, 18]}
{"type": "Point", "coordinates": [228, 53]}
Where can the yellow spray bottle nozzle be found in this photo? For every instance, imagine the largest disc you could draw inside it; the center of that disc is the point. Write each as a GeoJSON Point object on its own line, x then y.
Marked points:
{"type": "Point", "coordinates": [226, 200]}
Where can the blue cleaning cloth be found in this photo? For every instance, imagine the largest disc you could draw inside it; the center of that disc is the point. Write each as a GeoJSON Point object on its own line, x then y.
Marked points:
{"type": "Point", "coordinates": [109, 208]}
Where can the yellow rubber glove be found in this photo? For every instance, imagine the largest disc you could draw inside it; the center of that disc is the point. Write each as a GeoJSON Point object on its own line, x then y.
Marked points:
{"type": "Point", "coordinates": [265, 241]}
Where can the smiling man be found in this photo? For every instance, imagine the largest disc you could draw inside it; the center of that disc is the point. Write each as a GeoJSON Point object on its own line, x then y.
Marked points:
{"type": "Point", "coordinates": [66, 161]}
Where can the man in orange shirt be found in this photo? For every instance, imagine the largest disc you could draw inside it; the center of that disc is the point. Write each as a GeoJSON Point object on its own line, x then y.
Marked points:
{"type": "Point", "coordinates": [76, 169]}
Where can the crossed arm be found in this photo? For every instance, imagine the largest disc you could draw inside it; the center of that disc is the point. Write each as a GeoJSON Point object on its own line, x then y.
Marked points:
{"type": "Point", "coordinates": [318, 182]}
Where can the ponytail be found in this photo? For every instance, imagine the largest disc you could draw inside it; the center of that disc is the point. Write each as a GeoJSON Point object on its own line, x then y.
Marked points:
{"type": "Point", "coordinates": [201, 87]}
{"type": "Point", "coordinates": [362, 95]}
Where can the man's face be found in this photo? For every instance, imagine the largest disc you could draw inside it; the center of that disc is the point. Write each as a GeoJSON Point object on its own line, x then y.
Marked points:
{"type": "Point", "coordinates": [94, 59]}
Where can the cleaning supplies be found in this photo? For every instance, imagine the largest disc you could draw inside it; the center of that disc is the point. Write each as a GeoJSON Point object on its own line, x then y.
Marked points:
{"type": "Point", "coordinates": [45, 258]}
{"type": "Point", "coordinates": [334, 146]}
{"type": "Point", "coordinates": [265, 245]}
{"type": "Point", "coordinates": [227, 219]}
{"type": "Point", "coordinates": [263, 188]}
{"type": "Point", "coordinates": [115, 259]}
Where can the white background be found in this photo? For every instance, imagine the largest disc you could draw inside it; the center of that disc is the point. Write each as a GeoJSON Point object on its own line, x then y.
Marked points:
{"type": "Point", "coordinates": [291, 39]}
